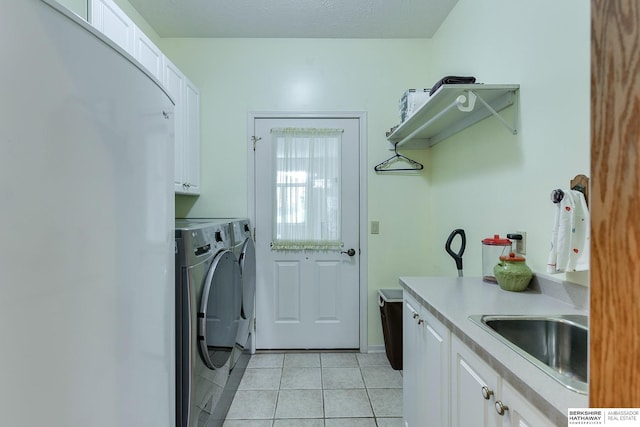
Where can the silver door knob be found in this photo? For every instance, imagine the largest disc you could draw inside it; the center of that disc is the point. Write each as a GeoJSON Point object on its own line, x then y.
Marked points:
{"type": "Point", "coordinates": [501, 408]}
{"type": "Point", "coordinates": [486, 392]}
{"type": "Point", "coordinates": [350, 252]}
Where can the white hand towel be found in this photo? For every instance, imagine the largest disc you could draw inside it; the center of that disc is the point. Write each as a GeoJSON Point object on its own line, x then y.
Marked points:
{"type": "Point", "coordinates": [570, 236]}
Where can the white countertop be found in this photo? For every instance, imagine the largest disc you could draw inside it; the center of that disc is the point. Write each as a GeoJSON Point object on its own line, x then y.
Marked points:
{"type": "Point", "coordinates": [453, 299]}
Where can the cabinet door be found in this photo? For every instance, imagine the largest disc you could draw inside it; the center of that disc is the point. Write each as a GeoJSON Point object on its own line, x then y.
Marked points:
{"type": "Point", "coordinates": [111, 21]}
{"type": "Point", "coordinates": [173, 81]}
{"type": "Point", "coordinates": [192, 138]}
{"type": "Point", "coordinates": [147, 53]}
{"type": "Point", "coordinates": [410, 354]}
{"type": "Point", "coordinates": [434, 374]}
{"type": "Point", "coordinates": [519, 412]}
{"type": "Point", "coordinates": [474, 386]}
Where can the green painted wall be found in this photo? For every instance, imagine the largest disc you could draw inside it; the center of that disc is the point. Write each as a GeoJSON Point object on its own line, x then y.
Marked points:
{"type": "Point", "coordinates": [236, 76]}
{"type": "Point", "coordinates": [484, 179]}
{"type": "Point", "coordinates": [138, 20]}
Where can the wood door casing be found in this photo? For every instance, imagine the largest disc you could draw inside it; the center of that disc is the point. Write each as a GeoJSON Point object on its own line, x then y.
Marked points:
{"type": "Point", "coordinates": [615, 204]}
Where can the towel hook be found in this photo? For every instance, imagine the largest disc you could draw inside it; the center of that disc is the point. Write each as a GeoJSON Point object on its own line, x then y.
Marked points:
{"type": "Point", "coordinates": [579, 183]}
{"type": "Point", "coordinates": [557, 195]}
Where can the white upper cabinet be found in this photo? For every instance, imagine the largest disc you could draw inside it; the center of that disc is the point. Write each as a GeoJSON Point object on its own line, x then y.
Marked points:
{"type": "Point", "coordinates": [192, 138]}
{"type": "Point", "coordinates": [174, 82]}
{"type": "Point", "coordinates": [147, 53]}
{"type": "Point", "coordinates": [187, 129]}
{"type": "Point", "coordinates": [111, 21]}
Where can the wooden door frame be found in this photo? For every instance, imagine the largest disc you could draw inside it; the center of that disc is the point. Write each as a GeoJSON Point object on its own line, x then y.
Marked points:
{"type": "Point", "coordinates": [614, 339]}
{"type": "Point", "coordinates": [362, 205]}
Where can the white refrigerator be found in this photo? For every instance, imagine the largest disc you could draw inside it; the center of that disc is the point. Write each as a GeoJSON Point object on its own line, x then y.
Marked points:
{"type": "Point", "coordinates": [86, 229]}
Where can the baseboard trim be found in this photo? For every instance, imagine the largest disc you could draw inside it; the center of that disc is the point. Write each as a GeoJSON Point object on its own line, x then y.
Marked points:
{"type": "Point", "coordinates": [376, 348]}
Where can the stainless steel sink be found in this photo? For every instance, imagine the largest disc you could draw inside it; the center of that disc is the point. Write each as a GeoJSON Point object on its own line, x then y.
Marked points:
{"type": "Point", "coordinates": [556, 344]}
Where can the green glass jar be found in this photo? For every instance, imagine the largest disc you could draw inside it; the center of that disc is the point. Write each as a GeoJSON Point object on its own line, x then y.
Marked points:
{"type": "Point", "coordinates": [512, 273]}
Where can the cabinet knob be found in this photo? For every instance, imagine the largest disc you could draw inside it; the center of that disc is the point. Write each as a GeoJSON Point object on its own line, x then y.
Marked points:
{"type": "Point", "coordinates": [501, 408]}
{"type": "Point", "coordinates": [415, 315]}
{"type": "Point", "coordinates": [486, 393]}
{"type": "Point", "coordinates": [420, 321]}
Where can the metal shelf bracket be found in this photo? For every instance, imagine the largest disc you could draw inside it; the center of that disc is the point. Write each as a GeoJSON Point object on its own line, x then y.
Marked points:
{"type": "Point", "coordinates": [513, 129]}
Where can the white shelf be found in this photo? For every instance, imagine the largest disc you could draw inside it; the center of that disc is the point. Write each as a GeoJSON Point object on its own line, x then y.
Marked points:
{"type": "Point", "coordinates": [453, 108]}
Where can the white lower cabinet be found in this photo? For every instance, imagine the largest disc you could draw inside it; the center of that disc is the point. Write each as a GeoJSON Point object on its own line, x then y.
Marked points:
{"type": "Point", "coordinates": [474, 386]}
{"type": "Point", "coordinates": [425, 367]}
{"type": "Point", "coordinates": [520, 413]}
{"type": "Point", "coordinates": [448, 384]}
{"type": "Point", "coordinates": [480, 397]}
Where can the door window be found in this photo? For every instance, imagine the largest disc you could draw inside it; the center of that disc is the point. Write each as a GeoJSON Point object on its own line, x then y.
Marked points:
{"type": "Point", "coordinates": [307, 168]}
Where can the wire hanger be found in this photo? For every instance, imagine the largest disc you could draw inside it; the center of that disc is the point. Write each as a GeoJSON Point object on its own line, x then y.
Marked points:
{"type": "Point", "coordinates": [382, 167]}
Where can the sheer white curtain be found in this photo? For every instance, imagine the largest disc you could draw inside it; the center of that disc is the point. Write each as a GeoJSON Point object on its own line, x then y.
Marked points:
{"type": "Point", "coordinates": [307, 189]}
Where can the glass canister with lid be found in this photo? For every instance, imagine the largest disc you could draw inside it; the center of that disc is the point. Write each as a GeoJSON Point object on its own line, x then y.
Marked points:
{"type": "Point", "coordinates": [492, 249]}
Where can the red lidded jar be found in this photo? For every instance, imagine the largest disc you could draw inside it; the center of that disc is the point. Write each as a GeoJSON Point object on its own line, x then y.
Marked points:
{"type": "Point", "coordinates": [492, 249]}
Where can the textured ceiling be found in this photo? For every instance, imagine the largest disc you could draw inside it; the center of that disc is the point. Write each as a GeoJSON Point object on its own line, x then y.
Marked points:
{"type": "Point", "coordinates": [295, 18]}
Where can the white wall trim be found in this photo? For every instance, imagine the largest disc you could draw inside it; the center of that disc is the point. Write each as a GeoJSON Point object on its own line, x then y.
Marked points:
{"type": "Point", "coordinates": [362, 117]}
{"type": "Point", "coordinates": [379, 348]}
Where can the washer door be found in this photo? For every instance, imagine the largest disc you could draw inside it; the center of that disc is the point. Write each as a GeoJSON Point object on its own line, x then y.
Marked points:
{"type": "Point", "coordinates": [248, 270]}
{"type": "Point", "coordinates": [218, 315]}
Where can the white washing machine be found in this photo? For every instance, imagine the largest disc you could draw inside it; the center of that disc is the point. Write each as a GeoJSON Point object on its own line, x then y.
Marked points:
{"type": "Point", "coordinates": [207, 317]}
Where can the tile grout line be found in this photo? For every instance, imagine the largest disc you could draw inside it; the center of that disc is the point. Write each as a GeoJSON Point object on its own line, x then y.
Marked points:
{"type": "Point", "coordinates": [322, 390]}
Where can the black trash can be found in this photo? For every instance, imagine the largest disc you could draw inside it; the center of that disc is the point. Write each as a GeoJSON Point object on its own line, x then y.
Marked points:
{"type": "Point", "coordinates": [390, 302]}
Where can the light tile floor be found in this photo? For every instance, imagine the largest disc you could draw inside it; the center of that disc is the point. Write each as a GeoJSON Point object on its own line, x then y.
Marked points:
{"type": "Point", "coordinates": [318, 390]}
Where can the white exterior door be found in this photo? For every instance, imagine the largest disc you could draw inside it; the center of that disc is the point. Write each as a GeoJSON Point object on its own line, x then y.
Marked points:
{"type": "Point", "coordinates": [307, 299]}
